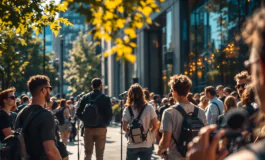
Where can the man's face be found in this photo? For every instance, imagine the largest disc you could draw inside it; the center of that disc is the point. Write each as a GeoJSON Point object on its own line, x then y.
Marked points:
{"type": "Point", "coordinates": [240, 85]}
{"type": "Point", "coordinates": [219, 91]}
{"type": "Point", "coordinates": [46, 90]}
{"type": "Point", "coordinates": [11, 100]}
{"type": "Point", "coordinates": [258, 78]}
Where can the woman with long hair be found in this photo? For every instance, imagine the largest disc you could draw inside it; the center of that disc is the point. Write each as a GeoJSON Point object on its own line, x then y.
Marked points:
{"type": "Point", "coordinates": [229, 103]}
{"type": "Point", "coordinates": [136, 104]}
{"type": "Point", "coordinates": [63, 116]}
{"type": "Point", "coordinates": [203, 102]}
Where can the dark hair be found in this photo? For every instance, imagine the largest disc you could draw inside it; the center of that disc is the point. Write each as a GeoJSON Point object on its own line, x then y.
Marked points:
{"type": "Point", "coordinates": [248, 96]}
{"type": "Point", "coordinates": [35, 83]}
{"type": "Point", "coordinates": [171, 100]}
{"type": "Point", "coordinates": [54, 105]}
{"type": "Point", "coordinates": [234, 93]}
{"type": "Point", "coordinates": [181, 84]}
{"type": "Point", "coordinates": [242, 75]}
{"type": "Point", "coordinates": [96, 82]}
{"type": "Point", "coordinates": [190, 98]}
{"type": "Point", "coordinates": [155, 96]}
{"type": "Point", "coordinates": [62, 103]}
{"type": "Point", "coordinates": [211, 90]}
{"type": "Point", "coordinates": [25, 99]}
{"type": "Point", "coordinates": [136, 97]}
{"type": "Point", "coordinates": [228, 90]}
{"type": "Point", "coordinates": [4, 95]}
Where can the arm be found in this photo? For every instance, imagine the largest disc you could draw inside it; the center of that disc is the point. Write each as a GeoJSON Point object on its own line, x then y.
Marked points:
{"type": "Point", "coordinates": [108, 111]}
{"type": "Point", "coordinates": [164, 142]}
{"type": "Point", "coordinates": [7, 131]}
{"type": "Point", "coordinates": [67, 113]}
{"type": "Point", "coordinates": [51, 150]}
{"type": "Point", "coordinates": [125, 126]}
{"type": "Point", "coordinates": [81, 107]}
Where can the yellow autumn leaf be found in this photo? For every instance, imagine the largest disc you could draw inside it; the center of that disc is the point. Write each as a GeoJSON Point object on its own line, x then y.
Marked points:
{"type": "Point", "coordinates": [139, 25]}
{"type": "Point", "coordinates": [147, 11]}
{"type": "Point", "coordinates": [23, 42]}
{"type": "Point", "coordinates": [132, 44]}
{"type": "Point", "coordinates": [108, 15]}
{"type": "Point", "coordinates": [149, 20]}
{"type": "Point", "coordinates": [162, 0]}
{"type": "Point", "coordinates": [120, 9]}
{"type": "Point", "coordinates": [130, 57]}
{"type": "Point", "coordinates": [127, 49]}
{"type": "Point", "coordinates": [118, 40]}
{"type": "Point", "coordinates": [130, 32]}
{"type": "Point", "coordinates": [126, 39]}
{"type": "Point", "coordinates": [120, 23]}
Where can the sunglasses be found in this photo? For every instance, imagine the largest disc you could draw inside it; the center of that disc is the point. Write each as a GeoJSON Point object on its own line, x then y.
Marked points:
{"type": "Point", "coordinates": [48, 87]}
{"type": "Point", "coordinates": [240, 85]}
{"type": "Point", "coordinates": [12, 97]}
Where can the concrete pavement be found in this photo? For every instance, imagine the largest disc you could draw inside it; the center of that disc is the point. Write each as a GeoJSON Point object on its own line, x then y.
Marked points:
{"type": "Point", "coordinates": [112, 148]}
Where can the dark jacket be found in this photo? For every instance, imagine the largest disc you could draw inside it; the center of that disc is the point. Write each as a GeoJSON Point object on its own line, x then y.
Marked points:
{"type": "Point", "coordinates": [104, 107]}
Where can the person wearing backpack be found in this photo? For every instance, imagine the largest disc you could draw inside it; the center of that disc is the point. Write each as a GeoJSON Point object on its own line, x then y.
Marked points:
{"type": "Point", "coordinates": [215, 106]}
{"type": "Point", "coordinates": [38, 123]}
{"type": "Point", "coordinates": [63, 116]}
{"type": "Point", "coordinates": [138, 116]}
{"type": "Point", "coordinates": [181, 122]}
{"type": "Point", "coordinates": [95, 112]}
{"type": "Point", "coordinates": [7, 101]}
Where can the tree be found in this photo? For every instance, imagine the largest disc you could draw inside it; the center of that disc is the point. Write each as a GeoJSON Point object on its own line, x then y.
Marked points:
{"type": "Point", "coordinates": [19, 62]}
{"type": "Point", "coordinates": [117, 20]}
{"type": "Point", "coordinates": [83, 65]}
{"type": "Point", "coordinates": [20, 16]}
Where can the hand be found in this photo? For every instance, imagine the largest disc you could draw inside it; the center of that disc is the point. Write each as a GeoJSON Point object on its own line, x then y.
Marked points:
{"type": "Point", "coordinates": [162, 153]}
{"type": "Point", "coordinates": [201, 149]}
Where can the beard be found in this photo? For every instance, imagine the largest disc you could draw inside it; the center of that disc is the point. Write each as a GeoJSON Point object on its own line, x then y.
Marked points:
{"type": "Point", "coordinates": [47, 97]}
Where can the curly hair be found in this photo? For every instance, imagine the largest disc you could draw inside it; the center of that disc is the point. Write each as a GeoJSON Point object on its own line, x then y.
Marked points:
{"type": "Point", "coordinates": [136, 97]}
{"type": "Point", "coordinates": [242, 75]}
{"type": "Point", "coordinates": [248, 96]}
{"type": "Point", "coordinates": [181, 84]}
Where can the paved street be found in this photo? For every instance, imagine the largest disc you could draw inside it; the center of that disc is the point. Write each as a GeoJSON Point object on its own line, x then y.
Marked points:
{"type": "Point", "coordinates": [112, 148]}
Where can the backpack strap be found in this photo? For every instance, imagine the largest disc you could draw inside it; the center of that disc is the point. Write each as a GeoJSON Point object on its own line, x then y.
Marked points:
{"type": "Point", "coordinates": [131, 112]}
{"type": "Point", "coordinates": [140, 113]}
{"type": "Point", "coordinates": [31, 116]}
{"type": "Point", "coordinates": [195, 112]}
{"type": "Point", "coordinates": [181, 111]}
{"type": "Point", "coordinates": [217, 107]}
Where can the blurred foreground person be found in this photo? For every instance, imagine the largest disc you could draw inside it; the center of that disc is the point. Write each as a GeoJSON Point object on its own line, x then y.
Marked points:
{"type": "Point", "coordinates": [201, 148]}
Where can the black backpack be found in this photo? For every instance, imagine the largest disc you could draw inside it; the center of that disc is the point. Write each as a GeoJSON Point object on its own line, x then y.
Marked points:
{"type": "Point", "coordinates": [190, 128]}
{"type": "Point", "coordinates": [137, 132]}
{"type": "Point", "coordinates": [91, 116]}
{"type": "Point", "coordinates": [60, 116]}
{"type": "Point", "coordinates": [13, 146]}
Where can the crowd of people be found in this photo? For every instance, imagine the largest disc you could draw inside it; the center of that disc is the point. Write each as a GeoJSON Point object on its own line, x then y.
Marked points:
{"type": "Point", "coordinates": [220, 122]}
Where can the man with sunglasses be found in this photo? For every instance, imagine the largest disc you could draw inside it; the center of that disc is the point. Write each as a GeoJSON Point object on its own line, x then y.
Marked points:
{"type": "Point", "coordinates": [242, 79]}
{"type": "Point", "coordinates": [39, 135]}
{"type": "Point", "coordinates": [7, 101]}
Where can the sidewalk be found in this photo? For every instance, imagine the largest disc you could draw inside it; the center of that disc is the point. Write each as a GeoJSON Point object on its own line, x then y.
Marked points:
{"type": "Point", "coordinates": [112, 148]}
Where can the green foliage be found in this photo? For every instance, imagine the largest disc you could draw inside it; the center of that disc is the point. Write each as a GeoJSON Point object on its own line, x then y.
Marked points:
{"type": "Point", "coordinates": [117, 20]}
{"type": "Point", "coordinates": [21, 16]}
{"type": "Point", "coordinates": [83, 66]}
{"type": "Point", "coordinates": [20, 62]}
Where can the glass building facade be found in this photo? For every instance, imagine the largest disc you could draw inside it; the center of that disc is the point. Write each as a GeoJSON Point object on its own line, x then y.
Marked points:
{"type": "Point", "coordinates": [212, 52]}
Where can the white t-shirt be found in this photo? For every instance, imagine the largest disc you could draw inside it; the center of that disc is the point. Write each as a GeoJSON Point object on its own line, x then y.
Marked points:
{"type": "Point", "coordinates": [146, 117]}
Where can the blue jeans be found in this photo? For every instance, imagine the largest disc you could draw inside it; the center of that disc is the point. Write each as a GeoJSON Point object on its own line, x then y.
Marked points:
{"type": "Point", "coordinates": [142, 153]}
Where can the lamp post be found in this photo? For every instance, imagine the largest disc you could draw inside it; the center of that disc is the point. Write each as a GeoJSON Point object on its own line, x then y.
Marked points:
{"type": "Point", "coordinates": [61, 66]}
{"type": "Point", "coordinates": [44, 47]}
